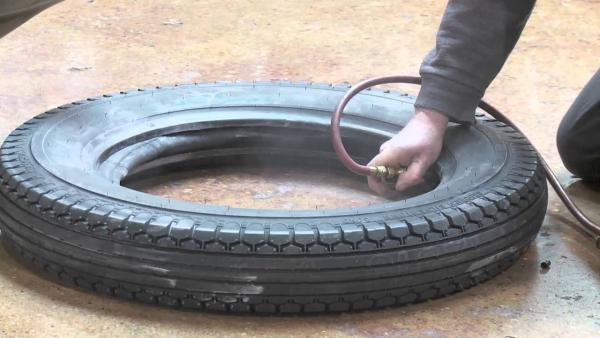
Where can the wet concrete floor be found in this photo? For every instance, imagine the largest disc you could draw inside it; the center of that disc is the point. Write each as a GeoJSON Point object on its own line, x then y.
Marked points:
{"type": "Point", "coordinates": [84, 48]}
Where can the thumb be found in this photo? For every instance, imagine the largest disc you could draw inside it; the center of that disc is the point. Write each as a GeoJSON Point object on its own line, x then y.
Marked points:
{"type": "Point", "coordinates": [391, 157]}
{"type": "Point", "coordinates": [384, 145]}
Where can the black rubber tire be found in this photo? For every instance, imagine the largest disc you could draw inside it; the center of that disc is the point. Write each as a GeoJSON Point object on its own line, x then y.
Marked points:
{"type": "Point", "coordinates": [64, 211]}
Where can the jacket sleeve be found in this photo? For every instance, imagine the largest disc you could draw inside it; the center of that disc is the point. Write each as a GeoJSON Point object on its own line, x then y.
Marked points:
{"type": "Point", "coordinates": [472, 44]}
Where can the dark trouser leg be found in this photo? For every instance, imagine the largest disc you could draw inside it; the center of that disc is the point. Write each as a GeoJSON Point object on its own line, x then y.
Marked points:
{"type": "Point", "coordinates": [13, 13]}
{"type": "Point", "coordinates": [578, 137]}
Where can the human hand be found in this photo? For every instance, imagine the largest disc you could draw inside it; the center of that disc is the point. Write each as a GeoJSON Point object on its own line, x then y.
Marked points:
{"type": "Point", "coordinates": [416, 147]}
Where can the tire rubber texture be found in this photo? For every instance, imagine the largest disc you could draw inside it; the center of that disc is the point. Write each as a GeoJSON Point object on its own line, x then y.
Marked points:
{"type": "Point", "coordinates": [64, 211]}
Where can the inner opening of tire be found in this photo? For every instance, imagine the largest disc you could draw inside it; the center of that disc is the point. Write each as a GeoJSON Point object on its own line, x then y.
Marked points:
{"type": "Point", "coordinates": [262, 167]}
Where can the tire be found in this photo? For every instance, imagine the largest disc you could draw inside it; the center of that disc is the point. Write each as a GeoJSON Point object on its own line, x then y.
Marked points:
{"type": "Point", "coordinates": [64, 211]}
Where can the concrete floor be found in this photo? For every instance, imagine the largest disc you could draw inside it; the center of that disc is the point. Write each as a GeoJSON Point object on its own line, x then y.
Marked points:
{"type": "Point", "coordinates": [84, 48]}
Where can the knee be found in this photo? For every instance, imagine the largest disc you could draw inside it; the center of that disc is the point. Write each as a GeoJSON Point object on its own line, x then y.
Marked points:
{"type": "Point", "coordinates": [565, 142]}
{"type": "Point", "coordinates": [573, 154]}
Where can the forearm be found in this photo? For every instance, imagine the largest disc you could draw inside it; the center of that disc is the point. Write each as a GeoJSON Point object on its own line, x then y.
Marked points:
{"type": "Point", "coordinates": [473, 42]}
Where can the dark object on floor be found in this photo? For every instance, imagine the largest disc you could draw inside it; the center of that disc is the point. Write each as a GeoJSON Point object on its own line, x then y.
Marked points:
{"type": "Point", "coordinates": [545, 264]}
{"type": "Point", "coordinates": [63, 209]}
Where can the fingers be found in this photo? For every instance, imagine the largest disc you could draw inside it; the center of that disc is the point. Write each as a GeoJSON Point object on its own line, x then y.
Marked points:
{"type": "Point", "coordinates": [413, 174]}
{"type": "Point", "coordinates": [416, 146]}
{"type": "Point", "coordinates": [393, 157]}
{"type": "Point", "coordinates": [379, 187]}
{"type": "Point", "coordinates": [411, 177]}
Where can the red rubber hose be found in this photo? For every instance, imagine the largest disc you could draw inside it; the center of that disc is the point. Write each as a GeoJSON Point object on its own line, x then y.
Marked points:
{"type": "Point", "coordinates": [336, 137]}
{"type": "Point", "coordinates": [585, 223]}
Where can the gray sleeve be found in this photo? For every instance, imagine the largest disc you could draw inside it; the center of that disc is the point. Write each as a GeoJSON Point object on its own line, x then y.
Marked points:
{"type": "Point", "coordinates": [473, 42]}
{"type": "Point", "coordinates": [15, 13]}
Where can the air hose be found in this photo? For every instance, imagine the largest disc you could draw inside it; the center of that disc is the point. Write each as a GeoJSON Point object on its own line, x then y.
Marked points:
{"type": "Point", "coordinates": [390, 173]}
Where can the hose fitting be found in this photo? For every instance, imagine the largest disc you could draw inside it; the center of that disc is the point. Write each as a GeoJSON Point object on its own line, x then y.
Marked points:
{"type": "Point", "coordinates": [385, 173]}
